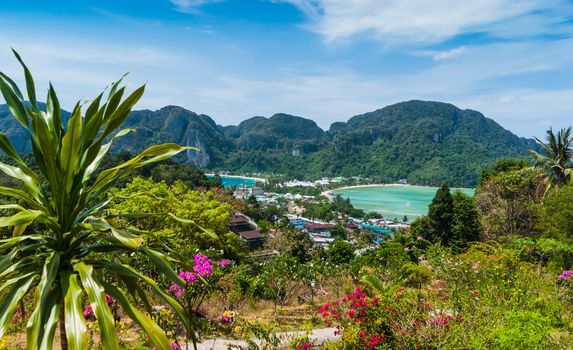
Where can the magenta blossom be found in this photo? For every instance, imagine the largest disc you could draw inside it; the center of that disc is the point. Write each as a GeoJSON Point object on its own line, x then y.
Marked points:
{"type": "Point", "coordinates": [174, 346]}
{"type": "Point", "coordinates": [566, 275]}
{"type": "Point", "coordinates": [202, 265]}
{"type": "Point", "coordinates": [88, 312]}
{"type": "Point", "coordinates": [109, 300]}
{"type": "Point", "coordinates": [224, 262]}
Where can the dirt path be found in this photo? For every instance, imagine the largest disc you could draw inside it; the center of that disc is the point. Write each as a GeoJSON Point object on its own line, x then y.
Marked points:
{"type": "Point", "coordinates": [318, 336]}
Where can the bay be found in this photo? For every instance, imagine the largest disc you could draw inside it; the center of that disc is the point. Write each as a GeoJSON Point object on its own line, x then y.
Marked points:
{"type": "Point", "coordinates": [235, 181]}
{"type": "Point", "coordinates": [392, 201]}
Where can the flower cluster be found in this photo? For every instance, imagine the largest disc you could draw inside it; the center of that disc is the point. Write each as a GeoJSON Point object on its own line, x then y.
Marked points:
{"type": "Point", "coordinates": [565, 276]}
{"type": "Point", "coordinates": [304, 346]}
{"type": "Point", "coordinates": [19, 315]}
{"type": "Point", "coordinates": [355, 310]}
{"type": "Point", "coordinates": [202, 265]}
{"type": "Point", "coordinates": [224, 263]}
{"type": "Point", "coordinates": [89, 312]}
{"type": "Point", "coordinates": [202, 268]}
{"type": "Point", "coordinates": [440, 318]}
{"type": "Point", "coordinates": [227, 317]}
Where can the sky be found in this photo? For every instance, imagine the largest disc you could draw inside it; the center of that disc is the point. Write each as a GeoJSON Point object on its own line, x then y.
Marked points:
{"type": "Point", "coordinates": [326, 60]}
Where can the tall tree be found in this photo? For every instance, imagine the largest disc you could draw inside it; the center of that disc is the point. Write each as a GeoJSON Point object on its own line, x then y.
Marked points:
{"type": "Point", "coordinates": [506, 203]}
{"type": "Point", "coordinates": [441, 215]}
{"type": "Point", "coordinates": [557, 156]}
{"type": "Point", "coordinates": [466, 225]}
{"type": "Point", "coordinates": [61, 261]}
{"type": "Point", "coordinates": [556, 213]}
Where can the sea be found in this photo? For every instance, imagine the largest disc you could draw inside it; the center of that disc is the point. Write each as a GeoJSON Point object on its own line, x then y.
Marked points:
{"type": "Point", "coordinates": [236, 181]}
{"type": "Point", "coordinates": [393, 201]}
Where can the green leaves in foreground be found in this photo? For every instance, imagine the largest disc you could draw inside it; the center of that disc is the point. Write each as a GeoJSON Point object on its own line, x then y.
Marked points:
{"type": "Point", "coordinates": [63, 203]}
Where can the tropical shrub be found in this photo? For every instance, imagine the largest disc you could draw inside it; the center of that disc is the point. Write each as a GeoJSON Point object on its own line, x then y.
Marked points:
{"type": "Point", "coordinates": [60, 261]}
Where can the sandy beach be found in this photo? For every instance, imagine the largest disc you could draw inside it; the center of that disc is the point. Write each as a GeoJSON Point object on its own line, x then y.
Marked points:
{"type": "Point", "coordinates": [257, 179]}
{"type": "Point", "coordinates": [329, 192]}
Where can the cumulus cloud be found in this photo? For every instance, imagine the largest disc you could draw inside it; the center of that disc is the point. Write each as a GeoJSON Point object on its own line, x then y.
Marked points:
{"type": "Point", "coordinates": [422, 21]}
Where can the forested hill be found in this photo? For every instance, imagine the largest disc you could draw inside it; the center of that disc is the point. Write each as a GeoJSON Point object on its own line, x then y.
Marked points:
{"type": "Point", "coordinates": [424, 142]}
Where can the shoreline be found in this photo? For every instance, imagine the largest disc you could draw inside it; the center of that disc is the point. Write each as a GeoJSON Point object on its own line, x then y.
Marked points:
{"type": "Point", "coordinates": [328, 193]}
{"type": "Point", "coordinates": [257, 179]}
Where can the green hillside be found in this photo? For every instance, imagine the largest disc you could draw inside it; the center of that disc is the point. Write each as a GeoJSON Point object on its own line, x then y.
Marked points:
{"type": "Point", "coordinates": [423, 142]}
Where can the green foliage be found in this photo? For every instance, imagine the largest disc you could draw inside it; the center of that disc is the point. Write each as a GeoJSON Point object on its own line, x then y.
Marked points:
{"type": "Point", "coordinates": [205, 212]}
{"type": "Point", "coordinates": [465, 225]}
{"type": "Point", "coordinates": [341, 252]}
{"type": "Point", "coordinates": [557, 157]}
{"type": "Point", "coordinates": [58, 262]}
{"type": "Point", "coordinates": [453, 221]}
{"type": "Point", "coordinates": [328, 210]}
{"type": "Point", "coordinates": [556, 213]}
{"type": "Point", "coordinates": [489, 297]}
{"type": "Point", "coordinates": [416, 275]}
{"type": "Point", "coordinates": [441, 215]}
{"type": "Point", "coordinates": [502, 166]}
{"type": "Point", "coordinates": [282, 278]}
{"type": "Point", "coordinates": [507, 203]}
{"type": "Point", "coordinates": [383, 145]}
{"type": "Point", "coordinates": [523, 330]}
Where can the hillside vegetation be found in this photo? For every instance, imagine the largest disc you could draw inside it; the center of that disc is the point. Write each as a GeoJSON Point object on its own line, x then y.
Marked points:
{"type": "Point", "coordinates": [424, 142]}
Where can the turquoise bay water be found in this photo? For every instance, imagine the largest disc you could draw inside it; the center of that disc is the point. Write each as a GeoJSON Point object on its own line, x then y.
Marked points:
{"type": "Point", "coordinates": [231, 181]}
{"type": "Point", "coordinates": [393, 201]}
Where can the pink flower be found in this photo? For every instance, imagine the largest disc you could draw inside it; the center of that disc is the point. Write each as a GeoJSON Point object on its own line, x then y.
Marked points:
{"type": "Point", "coordinates": [175, 346]}
{"type": "Point", "coordinates": [202, 265]}
{"type": "Point", "coordinates": [565, 275]}
{"type": "Point", "coordinates": [224, 262]}
{"type": "Point", "coordinates": [88, 312]}
{"type": "Point", "coordinates": [109, 300]}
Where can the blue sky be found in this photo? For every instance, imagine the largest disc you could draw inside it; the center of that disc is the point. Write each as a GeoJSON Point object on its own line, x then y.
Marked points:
{"type": "Point", "coordinates": [326, 60]}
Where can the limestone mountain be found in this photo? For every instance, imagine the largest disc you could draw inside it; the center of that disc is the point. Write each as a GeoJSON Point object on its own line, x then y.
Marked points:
{"type": "Point", "coordinates": [281, 131]}
{"type": "Point", "coordinates": [422, 141]}
{"type": "Point", "coordinates": [178, 125]}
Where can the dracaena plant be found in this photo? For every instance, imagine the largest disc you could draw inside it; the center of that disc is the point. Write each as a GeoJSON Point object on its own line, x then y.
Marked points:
{"type": "Point", "coordinates": [68, 257]}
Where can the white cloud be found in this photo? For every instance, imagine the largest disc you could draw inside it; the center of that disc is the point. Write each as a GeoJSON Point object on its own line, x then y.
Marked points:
{"type": "Point", "coordinates": [470, 80]}
{"type": "Point", "coordinates": [422, 21]}
{"type": "Point", "coordinates": [444, 55]}
{"type": "Point", "coordinates": [191, 5]}
{"type": "Point", "coordinates": [526, 112]}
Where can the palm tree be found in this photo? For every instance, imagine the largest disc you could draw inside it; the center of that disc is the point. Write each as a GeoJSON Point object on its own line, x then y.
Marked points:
{"type": "Point", "coordinates": [61, 262]}
{"type": "Point", "coordinates": [557, 157]}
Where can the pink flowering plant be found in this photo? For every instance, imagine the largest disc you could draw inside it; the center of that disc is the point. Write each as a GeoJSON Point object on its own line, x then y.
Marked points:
{"type": "Point", "coordinates": [565, 284]}
{"type": "Point", "coordinates": [405, 318]}
{"type": "Point", "coordinates": [200, 280]}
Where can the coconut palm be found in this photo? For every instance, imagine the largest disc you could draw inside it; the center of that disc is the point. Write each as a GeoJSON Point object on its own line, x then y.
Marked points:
{"type": "Point", "coordinates": [557, 156]}
{"type": "Point", "coordinates": [61, 261]}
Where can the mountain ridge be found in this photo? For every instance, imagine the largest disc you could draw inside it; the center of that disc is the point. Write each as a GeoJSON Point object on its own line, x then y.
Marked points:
{"type": "Point", "coordinates": [426, 142]}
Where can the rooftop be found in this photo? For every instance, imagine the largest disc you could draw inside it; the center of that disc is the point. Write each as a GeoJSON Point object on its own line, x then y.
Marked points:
{"type": "Point", "coordinates": [318, 226]}
{"type": "Point", "coordinates": [249, 235]}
